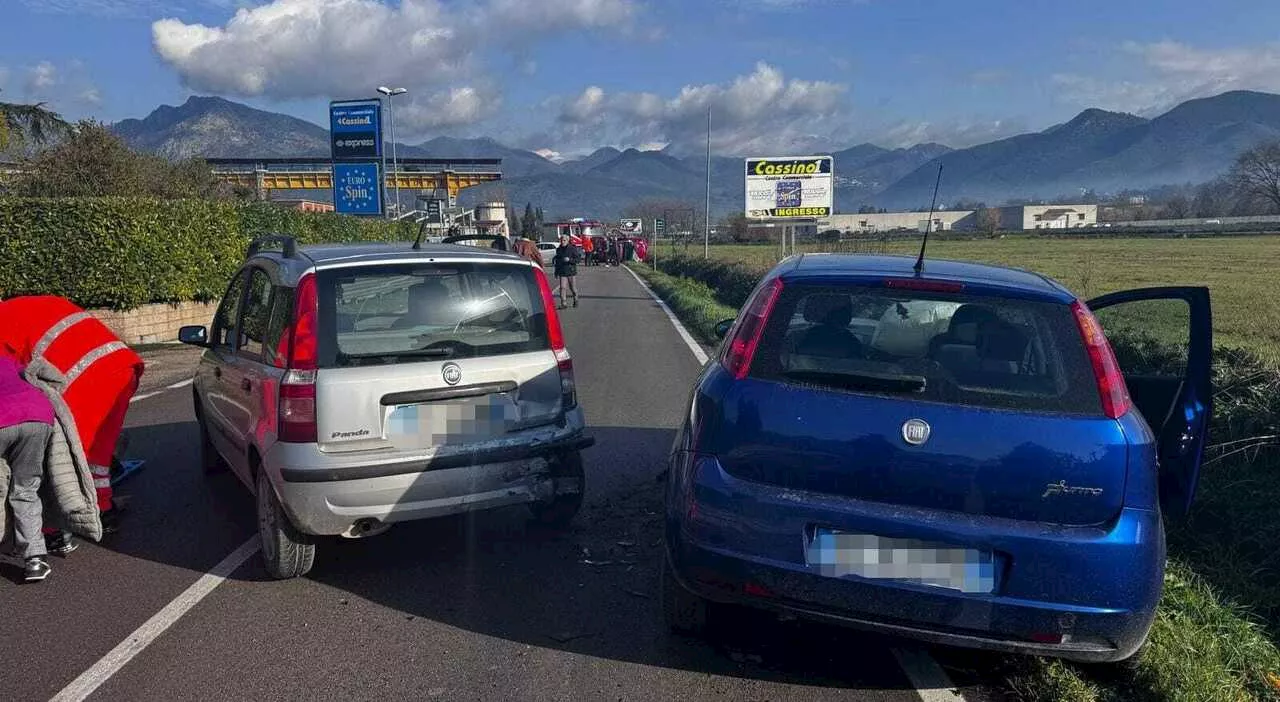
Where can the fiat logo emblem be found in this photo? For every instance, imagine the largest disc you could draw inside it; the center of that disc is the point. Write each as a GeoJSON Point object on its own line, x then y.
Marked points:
{"type": "Point", "coordinates": [452, 373]}
{"type": "Point", "coordinates": [915, 431]}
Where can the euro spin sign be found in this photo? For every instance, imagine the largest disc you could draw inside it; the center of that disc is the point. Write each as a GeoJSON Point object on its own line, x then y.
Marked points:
{"type": "Point", "coordinates": [789, 187]}
{"type": "Point", "coordinates": [355, 129]}
{"type": "Point", "coordinates": [356, 189]}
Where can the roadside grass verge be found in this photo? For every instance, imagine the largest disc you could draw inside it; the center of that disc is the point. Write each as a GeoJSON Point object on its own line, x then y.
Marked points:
{"type": "Point", "coordinates": [692, 301]}
{"type": "Point", "coordinates": [1218, 624]}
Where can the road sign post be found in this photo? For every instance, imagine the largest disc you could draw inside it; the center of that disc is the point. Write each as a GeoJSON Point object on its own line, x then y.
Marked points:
{"type": "Point", "coordinates": [659, 226]}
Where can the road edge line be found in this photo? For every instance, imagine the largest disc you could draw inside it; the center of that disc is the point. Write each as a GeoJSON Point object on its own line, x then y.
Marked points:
{"type": "Point", "coordinates": [689, 341]}
{"type": "Point", "coordinates": [931, 682]}
{"type": "Point", "coordinates": [133, 644]}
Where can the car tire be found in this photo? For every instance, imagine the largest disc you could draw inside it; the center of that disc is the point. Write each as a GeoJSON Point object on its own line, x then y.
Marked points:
{"type": "Point", "coordinates": [559, 511]}
{"type": "Point", "coordinates": [286, 552]}
{"type": "Point", "coordinates": [210, 462]}
{"type": "Point", "coordinates": [682, 611]}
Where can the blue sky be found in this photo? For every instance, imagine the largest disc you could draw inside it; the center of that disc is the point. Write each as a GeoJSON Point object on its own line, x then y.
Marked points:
{"type": "Point", "coordinates": [570, 75]}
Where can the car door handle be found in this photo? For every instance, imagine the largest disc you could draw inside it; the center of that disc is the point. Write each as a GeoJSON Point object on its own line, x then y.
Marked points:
{"type": "Point", "coordinates": [246, 385]}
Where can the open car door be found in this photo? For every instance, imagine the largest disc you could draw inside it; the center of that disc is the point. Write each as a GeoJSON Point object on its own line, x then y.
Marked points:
{"type": "Point", "coordinates": [1163, 340]}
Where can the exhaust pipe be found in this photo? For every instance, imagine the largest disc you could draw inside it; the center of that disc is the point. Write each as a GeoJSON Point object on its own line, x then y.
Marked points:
{"type": "Point", "coordinates": [364, 528]}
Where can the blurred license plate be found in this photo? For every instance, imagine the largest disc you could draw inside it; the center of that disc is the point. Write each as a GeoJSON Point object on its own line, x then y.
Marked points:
{"type": "Point", "coordinates": [436, 423]}
{"type": "Point", "coordinates": [837, 554]}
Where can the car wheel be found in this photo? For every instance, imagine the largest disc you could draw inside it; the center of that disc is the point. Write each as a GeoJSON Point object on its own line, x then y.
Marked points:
{"type": "Point", "coordinates": [210, 461]}
{"type": "Point", "coordinates": [560, 510]}
{"type": "Point", "coordinates": [287, 552]}
{"type": "Point", "coordinates": [682, 611]}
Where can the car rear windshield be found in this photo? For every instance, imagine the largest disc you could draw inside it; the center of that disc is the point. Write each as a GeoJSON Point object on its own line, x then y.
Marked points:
{"type": "Point", "coordinates": [940, 347]}
{"type": "Point", "coordinates": [403, 313]}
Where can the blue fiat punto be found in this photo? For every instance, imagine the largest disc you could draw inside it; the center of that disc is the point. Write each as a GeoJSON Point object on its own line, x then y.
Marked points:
{"type": "Point", "coordinates": [968, 455]}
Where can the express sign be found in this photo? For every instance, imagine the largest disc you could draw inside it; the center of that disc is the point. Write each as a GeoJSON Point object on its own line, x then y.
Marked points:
{"type": "Point", "coordinates": [789, 187]}
{"type": "Point", "coordinates": [355, 129]}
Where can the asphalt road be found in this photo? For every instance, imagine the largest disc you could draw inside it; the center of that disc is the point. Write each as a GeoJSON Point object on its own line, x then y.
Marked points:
{"type": "Point", "coordinates": [481, 607]}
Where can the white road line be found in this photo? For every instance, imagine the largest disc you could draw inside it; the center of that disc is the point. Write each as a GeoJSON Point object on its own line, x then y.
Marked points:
{"type": "Point", "coordinates": [143, 396]}
{"type": "Point", "coordinates": [175, 386]}
{"type": "Point", "coordinates": [928, 678]}
{"type": "Point", "coordinates": [143, 636]}
{"type": "Point", "coordinates": [931, 682]}
{"type": "Point", "coordinates": [689, 341]}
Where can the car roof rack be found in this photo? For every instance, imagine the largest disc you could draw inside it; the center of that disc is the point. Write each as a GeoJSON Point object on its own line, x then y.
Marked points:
{"type": "Point", "coordinates": [288, 245]}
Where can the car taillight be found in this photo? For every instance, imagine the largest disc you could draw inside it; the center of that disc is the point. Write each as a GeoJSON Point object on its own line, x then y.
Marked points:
{"type": "Point", "coordinates": [555, 335]}
{"type": "Point", "coordinates": [1111, 385]}
{"type": "Point", "coordinates": [298, 387]}
{"type": "Point", "coordinates": [742, 341]}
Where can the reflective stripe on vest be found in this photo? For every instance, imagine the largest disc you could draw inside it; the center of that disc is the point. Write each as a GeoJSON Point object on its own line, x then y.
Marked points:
{"type": "Point", "coordinates": [90, 358]}
{"type": "Point", "coordinates": [101, 476]}
{"type": "Point", "coordinates": [85, 361]}
{"type": "Point", "coordinates": [56, 330]}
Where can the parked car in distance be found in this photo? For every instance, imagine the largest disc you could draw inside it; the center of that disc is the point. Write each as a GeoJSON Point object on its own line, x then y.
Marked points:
{"type": "Point", "coordinates": [962, 456]}
{"type": "Point", "coordinates": [548, 251]}
{"type": "Point", "coordinates": [351, 387]}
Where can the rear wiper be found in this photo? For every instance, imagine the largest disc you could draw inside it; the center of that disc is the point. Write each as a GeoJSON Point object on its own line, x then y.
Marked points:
{"type": "Point", "coordinates": [443, 352]}
{"type": "Point", "coordinates": [862, 381]}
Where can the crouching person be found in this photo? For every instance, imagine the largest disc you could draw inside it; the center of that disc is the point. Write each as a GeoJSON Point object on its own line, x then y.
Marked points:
{"type": "Point", "coordinates": [26, 425]}
{"type": "Point", "coordinates": [97, 374]}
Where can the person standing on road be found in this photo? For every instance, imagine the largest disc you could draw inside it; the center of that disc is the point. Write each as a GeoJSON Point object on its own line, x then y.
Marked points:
{"type": "Point", "coordinates": [26, 425]}
{"type": "Point", "coordinates": [101, 375]}
{"type": "Point", "coordinates": [566, 264]}
{"type": "Point", "coordinates": [525, 248]}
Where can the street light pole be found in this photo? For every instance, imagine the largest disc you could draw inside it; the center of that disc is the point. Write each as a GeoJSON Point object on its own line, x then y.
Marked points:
{"type": "Point", "coordinates": [706, 231]}
{"type": "Point", "coordinates": [395, 164]}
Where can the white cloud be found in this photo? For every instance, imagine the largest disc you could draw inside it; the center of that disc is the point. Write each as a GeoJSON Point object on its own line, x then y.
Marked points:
{"type": "Point", "coordinates": [1170, 72]}
{"type": "Point", "coordinates": [954, 133]}
{"type": "Point", "coordinates": [551, 155]}
{"type": "Point", "coordinates": [295, 49]}
{"type": "Point", "coordinates": [91, 96]}
{"type": "Point", "coordinates": [763, 109]}
{"type": "Point", "coordinates": [41, 78]}
{"type": "Point", "coordinates": [458, 106]}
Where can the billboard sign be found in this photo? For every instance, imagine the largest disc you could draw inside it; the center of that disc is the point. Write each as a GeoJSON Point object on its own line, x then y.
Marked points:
{"type": "Point", "coordinates": [631, 226]}
{"type": "Point", "coordinates": [356, 189]}
{"type": "Point", "coordinates": [659, 226]}
{"type": "Point", "coordinates": [355, 129]}
{"type": "Point", "coordinates": [789, 187]}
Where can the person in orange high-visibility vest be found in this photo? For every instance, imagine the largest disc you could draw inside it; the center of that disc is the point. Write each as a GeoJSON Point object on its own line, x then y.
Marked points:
{"type": "Point", "coordinates": [102, 373]}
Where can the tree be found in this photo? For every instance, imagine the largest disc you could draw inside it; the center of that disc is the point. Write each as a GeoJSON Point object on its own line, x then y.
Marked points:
{"type": "Point", "coordinates": [529, 222]}
{"type": "Point", "coordinates": [1178, 207]}
{"type": "Point", "coordinates": [1256, 174]}
{"type": "Point", "coordinates": [95, 162]}
{"type": "Point", "coordinates": [968, 204]}
{"type": "Point", "coordinates": [537, 216]}
{"type": "Point", "coordinates": [739, 227]}
{"type": "Point", "coordinates": [29, 124]}
{"type": "Point", "coordinates": [989, 219]}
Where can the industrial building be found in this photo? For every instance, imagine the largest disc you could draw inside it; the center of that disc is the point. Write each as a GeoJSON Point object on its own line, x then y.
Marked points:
{"type": "Point", "coordinates": [1012, 218]}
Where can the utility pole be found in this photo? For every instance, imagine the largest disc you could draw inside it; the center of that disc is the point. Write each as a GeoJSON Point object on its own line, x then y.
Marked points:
{"type": "Point", "coordinates": [706, 224]}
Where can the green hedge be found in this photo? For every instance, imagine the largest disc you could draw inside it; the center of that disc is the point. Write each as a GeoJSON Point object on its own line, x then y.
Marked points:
{"type": "Point", "coordinates": [120, 253]}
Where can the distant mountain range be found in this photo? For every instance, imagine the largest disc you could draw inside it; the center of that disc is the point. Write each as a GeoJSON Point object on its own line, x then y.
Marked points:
{"type": "Point", "coordinates": [1098, 150]}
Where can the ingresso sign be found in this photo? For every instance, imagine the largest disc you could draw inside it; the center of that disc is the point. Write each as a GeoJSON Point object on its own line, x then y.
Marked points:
{"type": "Point", "coordinates": [355, 129]}
{"type": "Point", "coordinates": [789, 187]}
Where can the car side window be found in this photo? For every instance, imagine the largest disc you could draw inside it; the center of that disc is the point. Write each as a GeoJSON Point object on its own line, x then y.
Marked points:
{"type": "Point", "coordinates": [275, 347]}
{"type": "Point", "coordinates": [257, 313]}
{"type": "Point", "coordinates": [224, 322]}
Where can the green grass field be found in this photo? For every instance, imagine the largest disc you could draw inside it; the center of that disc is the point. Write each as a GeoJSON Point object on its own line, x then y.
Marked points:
{"type": "Point", "coordinates": [1240, 271]}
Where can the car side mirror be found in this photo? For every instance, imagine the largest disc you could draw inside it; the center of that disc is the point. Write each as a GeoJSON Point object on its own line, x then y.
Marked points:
{"type": "Point", "coordinates": [194, 335]}
{"type": "Point", "coordinates": [723, 327]}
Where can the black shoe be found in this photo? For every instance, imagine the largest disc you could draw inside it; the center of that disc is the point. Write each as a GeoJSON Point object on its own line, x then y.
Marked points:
{"type": "Point", "coordinates": [111, 520]}
{"type": "Point", "coordinates": [61, 544]}
{"type": "Point", "coordinates": [575, 301]}
{"type": "Point", "coordinates": [37, 569]}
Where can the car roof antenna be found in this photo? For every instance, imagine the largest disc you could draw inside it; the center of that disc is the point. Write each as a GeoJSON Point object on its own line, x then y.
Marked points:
{"type": "Point", "coordinates": [929, 222]}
